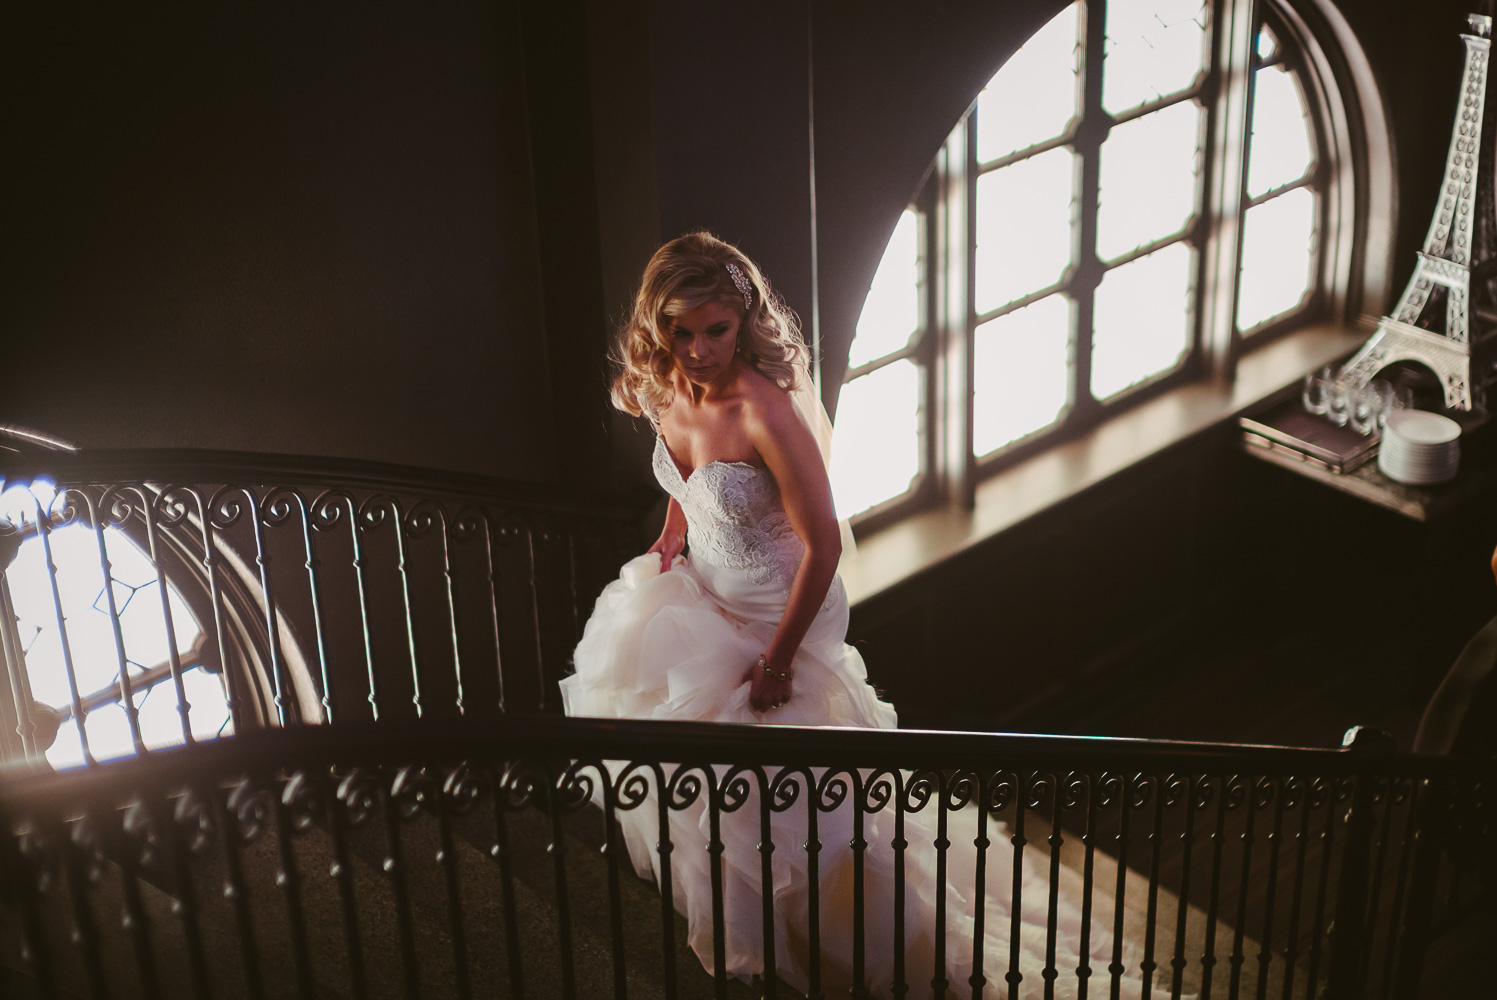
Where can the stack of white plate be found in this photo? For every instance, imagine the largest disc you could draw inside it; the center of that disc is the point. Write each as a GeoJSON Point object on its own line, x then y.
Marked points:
{"type": "Point", "coordinates": [1419, 447]}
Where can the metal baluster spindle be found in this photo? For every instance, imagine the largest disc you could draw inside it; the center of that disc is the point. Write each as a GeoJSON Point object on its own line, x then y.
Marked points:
{"type": "Point", "coordinates": [542, 691]}
{"type": "Point", "coordinates": [859, 845]}
{"type": "Point", "coordinates": [1126, 786]}
{"type": "Point", "coordinates": [15, 663]}
{"type": "Point", "coordinates": [207, 519]}
{"type": "Point", "coordinates": [938, 980]}
{"type": "Point", "coordinates": [1213, 896]}
{"type": "Point", "coordinates": [127, 692]}
{"type": "Point", "coordinates": [180, 843]}
{"type": "Point", "coordinates": [288, 877]}
{"type": "Point", "coordinates": [340, 816]}
{"type": "Point", "coordinates": [503, 855]}
{"type": "Point", "coordinates": [1301, 845]}
{"type": "Point", "coordinates": [456, 792]}
{"type": "Point", "coordinates": [493, 578]}
{"type": "Point", "coordinates": [557, 849]}
{"type": "Point", "coordinates": [1016, 915]}
{"type": "Point", "coordinates": [1182, 905]}
{"type": "Point", "coordinates": [1052, 908]}
{"type": "Point", "coordinates": [403, 568]}
{"type": "Point", "coordinates": [132, 837]}
{"type": "Point", "coordinates": [714, 850]}
{"type": "Point", "coordinates": [979, 893]}
{"type": "Point", "coordinates": [234, 887]}
{"type": "Point", "coordinates": [83, 859]}
{"type": "Point", "coordinates": [1384, 834]}
{"type": "Point", "coordinates": [28, 880]}
{"type": "Point", "coordinates": [1327, 848]}
{"type": "Point", "coordinates": [272, 632]}
{"type": "Point", "coordinates": [1265, 948]}
{"type": "Point", "coordinates": [355, 526]}
{"type": "Point", "coordinates": [315, 591]}
{"type": "Point", "coordinates": [812, 847]}
{"type": "Point", "coordinates": [1088, 840]}
{"type": "Point", "coordinates": [394, 866]}
{"type": "Point", "coordinates": [1405, 857]}
{"type": "Point", "coordinates": [1239, 958]}
{"type": "Point", "coordinates": [899, 987]}
{"type": "Point", "coordinates": [80, 714]}
{"type": "Point", "coordinates": [766, 848]}
{"type": "Point", "coordinates": [422, 517]}
{"type": "Point", "coordinates": [664, 847]}
{"type": "Point", "coordinates": [612, 847]}
{"type": "Point", "coordinates": [174, 658]}
{"type": "Point", "coordinates": [1148, 966]}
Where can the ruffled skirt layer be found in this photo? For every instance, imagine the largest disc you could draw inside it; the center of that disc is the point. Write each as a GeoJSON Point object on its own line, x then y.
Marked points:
{"type": "Point", "coordinates": [677, 645]}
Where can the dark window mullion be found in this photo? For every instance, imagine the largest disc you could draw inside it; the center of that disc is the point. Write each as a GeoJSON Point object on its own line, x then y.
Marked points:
{"type": "Point", "coordinates": [910, 350]}
{"type": "Point", "coordinates": [1089, 270]}
{"type": "Point", "coordinates": [1307, 181]}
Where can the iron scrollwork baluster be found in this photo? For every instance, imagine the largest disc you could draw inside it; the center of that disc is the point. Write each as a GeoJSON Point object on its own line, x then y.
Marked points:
{"type": "Point", "coordinates": [473, 522]}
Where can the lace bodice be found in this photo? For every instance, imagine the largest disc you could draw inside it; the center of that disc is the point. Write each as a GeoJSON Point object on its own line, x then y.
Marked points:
{"type": "Point", "coordinates": [734, 517]}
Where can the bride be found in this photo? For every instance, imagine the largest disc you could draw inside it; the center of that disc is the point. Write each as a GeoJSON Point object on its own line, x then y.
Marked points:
{"type": "Point", "coordinates": [736, 614]}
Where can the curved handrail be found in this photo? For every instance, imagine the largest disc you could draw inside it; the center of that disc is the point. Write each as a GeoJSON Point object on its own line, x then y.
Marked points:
{"type": "Point", "coordinates": [545, 736]}
{"type": "Point", "coordinates": [187, 464]}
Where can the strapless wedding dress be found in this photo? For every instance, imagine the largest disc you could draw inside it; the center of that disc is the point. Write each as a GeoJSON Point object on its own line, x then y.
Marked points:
{"type": "Point", "coordinates": [676, 645]}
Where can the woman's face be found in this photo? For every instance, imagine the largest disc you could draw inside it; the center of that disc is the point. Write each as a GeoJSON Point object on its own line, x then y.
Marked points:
{"type": "Point", "coordinates": [703, 341]}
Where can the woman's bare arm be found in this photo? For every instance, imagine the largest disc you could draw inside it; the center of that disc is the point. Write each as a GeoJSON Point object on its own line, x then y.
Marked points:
{"type": "Point", "coordinates": [672, 536]}
{"type": "Point", "coordinates": [794, 459]}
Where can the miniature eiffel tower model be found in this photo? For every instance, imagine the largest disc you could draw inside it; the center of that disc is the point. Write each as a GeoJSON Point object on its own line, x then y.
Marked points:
{"type": "Point", "coordinates": [1462, 228]}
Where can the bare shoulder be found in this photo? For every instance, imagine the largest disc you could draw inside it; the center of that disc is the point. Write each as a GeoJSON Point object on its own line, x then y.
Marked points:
{"type": "Point", "coordinates": [766, 405]}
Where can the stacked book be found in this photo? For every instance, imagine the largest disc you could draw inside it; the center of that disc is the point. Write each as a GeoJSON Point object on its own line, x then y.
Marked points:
{"type": "Point", "coordinates": [1288, 430]}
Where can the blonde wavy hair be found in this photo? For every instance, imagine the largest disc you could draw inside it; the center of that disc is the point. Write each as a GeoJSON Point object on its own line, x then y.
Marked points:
{"type": "Point", "coordinates": [685, 274]}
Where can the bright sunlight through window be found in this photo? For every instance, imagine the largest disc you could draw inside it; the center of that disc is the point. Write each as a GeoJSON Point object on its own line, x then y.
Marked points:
{"type": "Point", "coordinates": [1107, 234]}
{"type": "Point", "coordinates": [84, 606]}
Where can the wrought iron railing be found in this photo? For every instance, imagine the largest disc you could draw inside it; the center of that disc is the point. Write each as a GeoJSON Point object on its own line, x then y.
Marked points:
{"type": "Point", "coordinates": [462, 859]}
{"type": "Point", "coordinates": [317, 590]}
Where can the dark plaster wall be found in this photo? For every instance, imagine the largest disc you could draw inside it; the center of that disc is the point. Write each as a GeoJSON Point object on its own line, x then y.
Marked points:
{"type": "Point", "coordinates": [304, 228]}
{"type": "Point", "coordinates": [402, 232]}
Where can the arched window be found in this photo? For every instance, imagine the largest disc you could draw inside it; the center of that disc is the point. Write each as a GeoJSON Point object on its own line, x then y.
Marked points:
{"type": "Point", "coordinates": [103, 636]}
{"type": "Point", "coordinates": [1137, 196]}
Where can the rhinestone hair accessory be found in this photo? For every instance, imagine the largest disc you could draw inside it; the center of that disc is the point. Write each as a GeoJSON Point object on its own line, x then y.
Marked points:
{"type": "Point", "coordinates": [742, 282]}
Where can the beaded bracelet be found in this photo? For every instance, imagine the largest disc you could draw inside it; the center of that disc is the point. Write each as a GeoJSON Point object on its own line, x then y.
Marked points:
{"type": "Point", "coordinates": [779, 675]}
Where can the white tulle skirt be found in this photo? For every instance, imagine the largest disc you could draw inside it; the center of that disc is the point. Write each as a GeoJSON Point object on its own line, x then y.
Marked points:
{"type": "Point", "coordinates": [677, 645]}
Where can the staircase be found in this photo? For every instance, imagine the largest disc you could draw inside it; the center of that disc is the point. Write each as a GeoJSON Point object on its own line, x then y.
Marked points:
{"type": "Point", "coordinates": [398, 811]}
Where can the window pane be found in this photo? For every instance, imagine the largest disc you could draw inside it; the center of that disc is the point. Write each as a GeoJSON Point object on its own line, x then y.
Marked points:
{"type": "Point", "coordinates": [1142, 319]}
{"type": "Point", "coordinates": [1154, 48]}
{"type": "Point", "coordinates": [876, 451]}
{"type": "Point", "coordinates": [1025, 214]}
{"type": "Point", "coordinates": [1282, 150]}
{"type": "Point", "coordinates": [1034, 96]}
{"type": "Point", "coordinates": [1021, 373]}
{"type": "Point", "coordinates": [1147, 187]}
{"type": "Point", "coordinates": [1267, 45]}
{"type": "Point", "coordinates": [1278, 250]}
{"type": "Point", "coordinates": [891, 312]}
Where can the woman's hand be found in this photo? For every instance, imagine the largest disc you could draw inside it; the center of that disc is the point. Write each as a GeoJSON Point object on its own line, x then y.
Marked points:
{"type": "Point", "coordinates": [769, 686]}
{"type": "Point", "coordinates": [672, 537]}
{"type": "Point", "coordinates": [669, 545]}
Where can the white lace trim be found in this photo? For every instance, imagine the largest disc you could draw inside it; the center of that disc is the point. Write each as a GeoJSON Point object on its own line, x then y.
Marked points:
{"type": "Point", "coordinates": [734, 517]}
